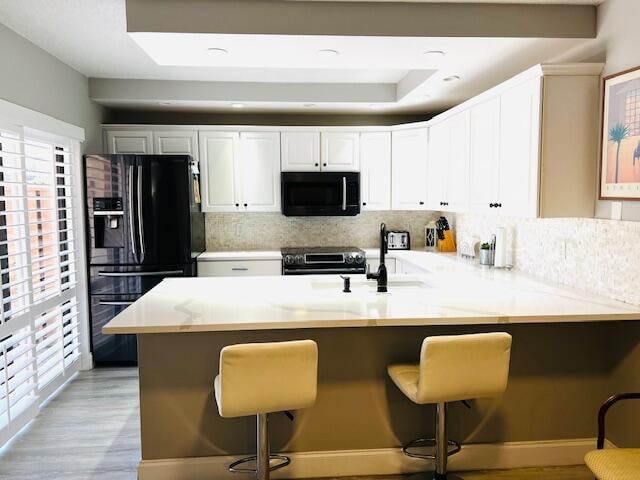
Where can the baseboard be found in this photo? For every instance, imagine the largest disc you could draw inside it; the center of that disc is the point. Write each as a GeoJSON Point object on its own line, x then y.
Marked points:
{"type": "Point", "coordinates": [384, 461]}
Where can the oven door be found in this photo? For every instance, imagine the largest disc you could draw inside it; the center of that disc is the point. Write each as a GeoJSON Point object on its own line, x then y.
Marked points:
{"type": "Point", "coordinates": [320, 193]}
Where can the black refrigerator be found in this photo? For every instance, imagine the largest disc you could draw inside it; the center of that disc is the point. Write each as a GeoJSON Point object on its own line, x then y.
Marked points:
{"type": "Point", "coordinates": [144, 224]}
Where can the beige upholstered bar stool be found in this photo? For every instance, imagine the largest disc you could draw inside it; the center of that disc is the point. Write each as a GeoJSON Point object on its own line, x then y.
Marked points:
{"type": "Point", "coordinates": [261, 378]}
{"type": "Point", "coordinates": [452, 368]}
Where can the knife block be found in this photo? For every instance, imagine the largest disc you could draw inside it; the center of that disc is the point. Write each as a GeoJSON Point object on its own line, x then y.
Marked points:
{"type": "Point", "coordinates": [448, 244]}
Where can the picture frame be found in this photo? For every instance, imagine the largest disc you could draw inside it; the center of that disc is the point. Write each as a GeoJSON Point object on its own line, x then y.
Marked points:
{"type": "Point", "coordinates": [620, 156]}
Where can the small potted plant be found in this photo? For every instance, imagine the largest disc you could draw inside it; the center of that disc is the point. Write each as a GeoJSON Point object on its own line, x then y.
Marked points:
{"type": "Point", "coordinates": [486, 254]}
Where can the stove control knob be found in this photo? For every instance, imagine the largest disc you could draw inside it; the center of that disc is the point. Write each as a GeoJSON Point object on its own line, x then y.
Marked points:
{"type": "Point", "coordinates": [289, 259]}
{"type": "Point", "coordinates": [299, 259]}
{"type": "Point", "coordinates": [359, 258]}
{"type": "Point", "coordinates": [348, 258]}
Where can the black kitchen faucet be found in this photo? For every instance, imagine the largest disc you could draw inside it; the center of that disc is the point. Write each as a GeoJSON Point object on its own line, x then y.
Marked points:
{"type": "Point", "coordinates": [381, 274]}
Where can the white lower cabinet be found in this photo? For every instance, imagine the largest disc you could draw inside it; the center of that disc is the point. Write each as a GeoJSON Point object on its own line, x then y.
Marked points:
{"type": "Point", "coordinates": [409, 169]}
{"type": "Point", "coordinates": [375, 171]}
{"type": "Point", "coordinates": [238, 268]}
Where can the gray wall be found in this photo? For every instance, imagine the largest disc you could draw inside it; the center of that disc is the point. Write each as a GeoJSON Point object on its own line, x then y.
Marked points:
{"type": "Point", "coordinates": [37, 80]}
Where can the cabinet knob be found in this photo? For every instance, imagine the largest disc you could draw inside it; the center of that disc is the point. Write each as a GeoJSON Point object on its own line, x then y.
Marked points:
{"type": "Point", "coordinates": [316, 164]}
{"type": "Point", "coordinates": [421, 203]}
{"type": "Point", "coordinates": [364, 204]}
{"type": "Point", "coordinates": [324, 164]}
{"type": "Point", "coordinates": [491, 205]}
{"type": "Point", "coordinates": [245, 204]}
{"type": "Point", "coordinates": [237, 204]}
{"type": "Point", "coordinates": [498, 205]}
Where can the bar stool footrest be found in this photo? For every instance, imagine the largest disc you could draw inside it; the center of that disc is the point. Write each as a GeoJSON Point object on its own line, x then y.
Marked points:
{"type": "Point", "coordinates": [284, 461]}
{"type": "Point", "coordinates": [429, 442]}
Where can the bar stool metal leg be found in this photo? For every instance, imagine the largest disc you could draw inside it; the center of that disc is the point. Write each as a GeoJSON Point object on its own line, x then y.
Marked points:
{"type": "Point", "coordinates": [262, 433]}
{"type": "Point", "coordinates": [441, 446]}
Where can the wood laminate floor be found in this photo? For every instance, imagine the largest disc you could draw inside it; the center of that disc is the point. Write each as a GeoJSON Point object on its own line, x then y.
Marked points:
{"type": "Point", "coordinates": [90, 431]}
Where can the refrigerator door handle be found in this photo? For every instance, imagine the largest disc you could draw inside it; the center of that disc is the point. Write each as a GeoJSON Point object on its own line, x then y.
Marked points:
{"type": "Point", "coordinates": [140, 217]}
{"type": "Point", "coordinates": [131, 215]}
{"type": "Point", "coordinates": [140, 274]}
{"type": "Point", "coordinates": [116, 303]}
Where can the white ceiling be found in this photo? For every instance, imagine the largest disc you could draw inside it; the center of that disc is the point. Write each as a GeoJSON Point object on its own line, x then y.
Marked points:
{"type": "Point", "coordinates": [91, 37]}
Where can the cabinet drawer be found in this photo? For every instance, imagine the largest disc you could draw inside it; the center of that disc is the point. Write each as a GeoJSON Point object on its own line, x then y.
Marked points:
{"type": "Point", "coordinates": [236, 268]}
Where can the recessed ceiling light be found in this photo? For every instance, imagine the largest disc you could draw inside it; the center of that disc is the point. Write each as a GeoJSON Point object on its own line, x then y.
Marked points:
{"type": "Point", "coordinates": [217, 51]}
{"type": "Point", "coordinates": [452, 78]}
{"type": "Point", "coordinates": [237, 105]}
{"type": "Point", "coordinates": [309, 105]}
{"type": "Point", "coordinates": [434, 53]}
{"type": "Point", "coordinates": [328, 52]}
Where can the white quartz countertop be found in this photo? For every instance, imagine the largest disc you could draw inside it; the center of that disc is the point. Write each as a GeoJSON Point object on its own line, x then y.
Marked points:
{"type": "Point", "coordinates": [451, 292]}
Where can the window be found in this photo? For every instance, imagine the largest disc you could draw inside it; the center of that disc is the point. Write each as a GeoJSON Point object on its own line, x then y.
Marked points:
{"type": "Point", "coordinates": [39, 318]}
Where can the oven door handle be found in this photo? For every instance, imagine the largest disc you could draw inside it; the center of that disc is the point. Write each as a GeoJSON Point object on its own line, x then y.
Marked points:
{"type": "Point", "coordinates": [344, 193]}
{"type": "Point", "coordinates": [140, 274]}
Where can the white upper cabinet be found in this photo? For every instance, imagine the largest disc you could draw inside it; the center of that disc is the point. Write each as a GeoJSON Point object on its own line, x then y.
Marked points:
{"type": "Point", "coordinates": [138, 142]}
{"type": "Point", "coordinates": [300, 151]}
{"type": "Point", "coordinates": [409, 169]}
{"type": "Point", "coordinates": [260, 171]}
{"type": "Point", "coordinates": [437, 168]}
{"type": "Point", "coordinates": [520, 117]}
{"type": "Point", "coordinates": [484, 157]}
{"type": "Point", "coordinates": [448, 164]}
{"type": "Point", "coordinates": [240, 172]}
{"type": "Point", "coordinates": [176, 142]}
{"type": "Point", "coordinates": [220, 171]}
{"type": "Point", "coordinates": [340, 152]}
{"type": "Point", "coordinates": [375, 170]}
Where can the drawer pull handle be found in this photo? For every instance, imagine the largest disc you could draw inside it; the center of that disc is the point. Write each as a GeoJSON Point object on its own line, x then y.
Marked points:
{"type": "Point", "coordinates": [116, 303]}
{"type": "Point", "coordinates": [239, 269]}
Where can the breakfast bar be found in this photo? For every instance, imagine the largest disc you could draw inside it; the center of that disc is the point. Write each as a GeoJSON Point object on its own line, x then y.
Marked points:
{"type": "Point", "coordinates": [557, 380]}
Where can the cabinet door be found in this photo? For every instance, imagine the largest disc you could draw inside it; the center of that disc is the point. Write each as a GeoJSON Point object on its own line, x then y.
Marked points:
{"type": "Point", "coordinates": [260, 171]}
{"type": "Point", "coordinates": [340, 152]}
{"type": "Point", "coordinates": [437, 165]}
{"type": "Point", "coordinates": [219, 175]}
{"type": "Point", "coordinates": [457, 168]}
{"type": "Point", "coordinates": [138, 142]}
{"type": "Point", "coordinates": [176, 142]}
{"type": "Point", "coordinates": [484, 156]}
{"type": "Point", "coordinates": [300, 151]}
{"type": "Point", "coordinates": [375, 174]}
{"type": "Point", "coordinates": [409, 169]}
{"type": "Point", "coordinates": [519, 149]}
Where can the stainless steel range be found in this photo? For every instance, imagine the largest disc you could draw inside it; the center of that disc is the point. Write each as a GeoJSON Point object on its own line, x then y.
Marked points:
{"type": "Point", "coordinates": [323, 260]}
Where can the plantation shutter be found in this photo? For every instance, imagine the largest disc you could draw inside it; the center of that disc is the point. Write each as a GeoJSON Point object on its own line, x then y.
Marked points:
{"type": "Point", "coordinates": [39, 319]}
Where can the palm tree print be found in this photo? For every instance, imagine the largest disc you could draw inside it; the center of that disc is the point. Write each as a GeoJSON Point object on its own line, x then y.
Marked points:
{"type": "Point", "coordinates": [617, 134]}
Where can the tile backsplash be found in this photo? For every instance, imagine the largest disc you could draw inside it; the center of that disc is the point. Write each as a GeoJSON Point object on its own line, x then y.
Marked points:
{"type": "Point", "coordinates": [593, 255]}
{"type": "Point", "coordinates": [269, 231]}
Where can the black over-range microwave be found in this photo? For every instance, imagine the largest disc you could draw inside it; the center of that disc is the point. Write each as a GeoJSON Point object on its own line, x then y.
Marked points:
{"type": "Point", "coordinates": [320, 193]}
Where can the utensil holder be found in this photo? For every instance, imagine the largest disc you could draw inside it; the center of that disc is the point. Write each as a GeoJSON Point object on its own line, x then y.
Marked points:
{"type": "Point", "coordinates": [487, 257]}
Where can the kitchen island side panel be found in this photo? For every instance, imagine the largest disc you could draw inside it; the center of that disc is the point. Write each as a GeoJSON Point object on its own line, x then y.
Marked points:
{"type": "Point", "coordinates": [559, 376]}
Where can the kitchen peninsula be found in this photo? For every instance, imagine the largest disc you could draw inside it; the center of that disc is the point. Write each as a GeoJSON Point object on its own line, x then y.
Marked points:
{"type": "Point", "coordinates": [557, 377]}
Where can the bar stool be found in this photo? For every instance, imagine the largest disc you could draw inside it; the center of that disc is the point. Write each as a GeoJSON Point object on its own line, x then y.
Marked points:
{"type": "Point", "coordinates": [452, 368]}
{"type": "Point", "coordinates": [261, 378]}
